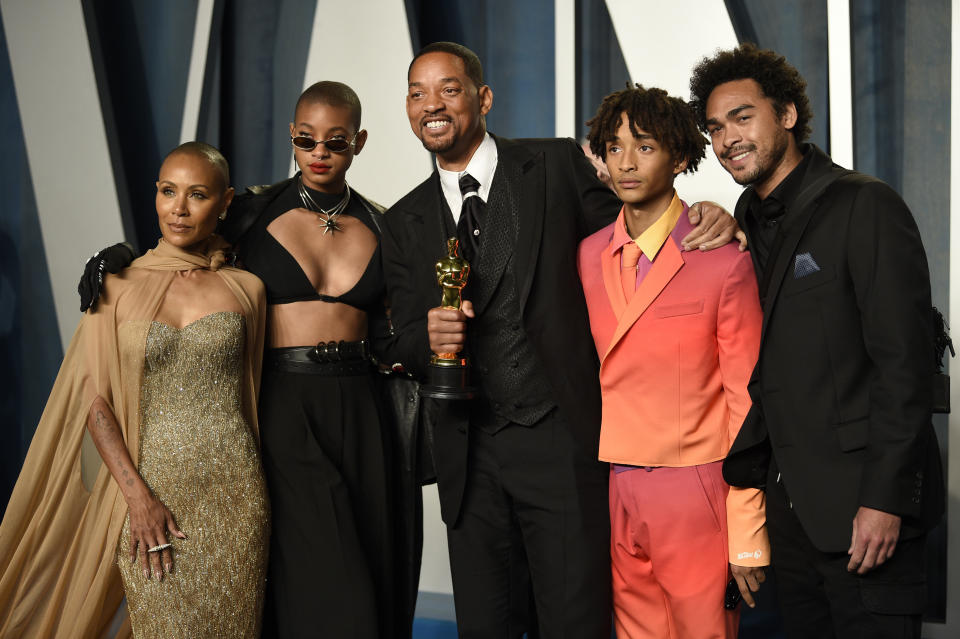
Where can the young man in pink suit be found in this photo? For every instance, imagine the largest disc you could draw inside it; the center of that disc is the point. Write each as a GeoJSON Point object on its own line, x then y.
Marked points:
{"type": "Point", "coordinates": [677, 334]}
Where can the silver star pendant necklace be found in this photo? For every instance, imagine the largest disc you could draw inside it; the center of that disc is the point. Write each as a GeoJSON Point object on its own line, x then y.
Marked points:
{"type": "Point", "coordinates": [326, 217]}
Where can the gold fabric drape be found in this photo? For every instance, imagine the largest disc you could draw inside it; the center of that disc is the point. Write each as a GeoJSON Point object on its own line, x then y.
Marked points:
{"type": "Point", "coordinates": [58, 576]}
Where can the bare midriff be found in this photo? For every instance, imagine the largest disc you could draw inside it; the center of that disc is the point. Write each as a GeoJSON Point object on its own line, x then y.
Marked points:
{"type": "Point", "coordinates": [313, 321]}
{"type": "Point", "coordinates": [333, 262]}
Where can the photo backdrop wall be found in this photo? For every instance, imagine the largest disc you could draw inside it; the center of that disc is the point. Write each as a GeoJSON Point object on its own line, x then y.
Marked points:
{"type": "Point", "coordinates": [93, 93]}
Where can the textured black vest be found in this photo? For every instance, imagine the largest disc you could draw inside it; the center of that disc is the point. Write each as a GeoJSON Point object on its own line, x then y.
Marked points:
{"type": "Point", "coordinates": [506, 369]}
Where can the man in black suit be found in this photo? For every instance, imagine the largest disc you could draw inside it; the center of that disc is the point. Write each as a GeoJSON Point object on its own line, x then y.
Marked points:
{"type": "Point", "coordinates": [525, 502]}
{"type": "Point", "coordinates": [839, 432]}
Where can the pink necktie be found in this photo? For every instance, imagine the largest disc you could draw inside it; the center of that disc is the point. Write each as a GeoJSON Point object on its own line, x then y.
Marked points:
{"type": "Point", "coordinates": [628, 268]}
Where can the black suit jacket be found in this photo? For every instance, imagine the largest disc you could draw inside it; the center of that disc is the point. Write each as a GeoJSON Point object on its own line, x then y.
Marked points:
{"type": "Point", "coordinates": [558, 201]}
{"type": "Point", "coordinates": [841, 390]}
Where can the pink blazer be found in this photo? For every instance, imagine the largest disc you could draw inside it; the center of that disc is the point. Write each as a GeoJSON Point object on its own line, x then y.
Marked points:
{"type": "Point", "coordinates": [675, 361]}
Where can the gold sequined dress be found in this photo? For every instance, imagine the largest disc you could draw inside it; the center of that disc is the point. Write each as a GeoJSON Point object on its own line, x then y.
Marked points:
{"type": "Point", "coordinates": [199, 457]}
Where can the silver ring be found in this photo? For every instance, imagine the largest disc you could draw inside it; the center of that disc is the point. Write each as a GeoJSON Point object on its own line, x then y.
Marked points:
{"type": "Point", "coordinates": [160, 547]}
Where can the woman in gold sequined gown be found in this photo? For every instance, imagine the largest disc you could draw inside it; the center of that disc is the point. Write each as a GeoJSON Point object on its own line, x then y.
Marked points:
{"type": "Point", "coordinates": [199, 459]}
{"type": "Point", "coordinates": [164, 375]}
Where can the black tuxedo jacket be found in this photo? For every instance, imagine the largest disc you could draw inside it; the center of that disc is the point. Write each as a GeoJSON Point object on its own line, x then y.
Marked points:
{"type": "Point", "coordinates": [841, 390]}
{"type": "Point", "coordinates": [552, 190]}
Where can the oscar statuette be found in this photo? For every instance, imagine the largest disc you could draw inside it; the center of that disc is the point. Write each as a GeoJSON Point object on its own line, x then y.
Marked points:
{"type": "Point", "coordinates": [448, 373]}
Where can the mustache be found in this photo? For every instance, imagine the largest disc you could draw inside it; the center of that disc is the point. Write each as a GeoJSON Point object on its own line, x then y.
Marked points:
{"type": "Point", "coordinates": [434, 118]}
{"type": "Point", "coordinates": [737, 150]}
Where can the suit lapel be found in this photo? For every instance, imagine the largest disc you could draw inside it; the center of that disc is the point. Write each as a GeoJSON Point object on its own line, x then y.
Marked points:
{"type": "Point", "coordinates": [499, 233]}
{"type": "Point", "coordinates": [805, 206]}
{"type": "Point", "coordinates": [665, 266]}
{"type": "Point", "coordinates": [610, 263]}
{"type": "Point", "coordinates": [739, 214]}
{"type": "Point", "coordinates": [529, 173]}
{"type": "Point", "coordinates": [779, 268]}
{"type": "Point", "coordinates": [425, 219]}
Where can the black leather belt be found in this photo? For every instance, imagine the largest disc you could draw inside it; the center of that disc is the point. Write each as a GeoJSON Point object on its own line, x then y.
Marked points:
{"type": "Point", "coordinates": [326, 358]}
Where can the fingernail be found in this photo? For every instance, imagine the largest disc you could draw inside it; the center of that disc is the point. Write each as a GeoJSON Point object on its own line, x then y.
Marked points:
{"type": "Point", "coordinates": [168, 568]}
{"type": "Point", "coordinates": [146, 573]}
{"type": "Point", "coordinates": [158, 575]}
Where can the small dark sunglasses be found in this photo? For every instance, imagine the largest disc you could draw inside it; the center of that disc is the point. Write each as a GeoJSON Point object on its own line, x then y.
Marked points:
{"type": "Point", "coordinates": [337, 145]}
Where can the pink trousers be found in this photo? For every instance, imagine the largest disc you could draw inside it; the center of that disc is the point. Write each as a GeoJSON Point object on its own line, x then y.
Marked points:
{"type": "Point", "coordinates": [669, 553]}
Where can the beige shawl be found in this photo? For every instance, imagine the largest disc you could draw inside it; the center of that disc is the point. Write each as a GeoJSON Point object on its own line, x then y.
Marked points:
{"type": "Point", "coordinates": [58, 539]}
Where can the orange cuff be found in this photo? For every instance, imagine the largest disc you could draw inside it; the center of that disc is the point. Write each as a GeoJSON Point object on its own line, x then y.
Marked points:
{"type": "Point", "coordinates": [747, 527]}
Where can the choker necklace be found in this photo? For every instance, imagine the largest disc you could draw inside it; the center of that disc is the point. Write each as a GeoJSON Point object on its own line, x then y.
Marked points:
{"type": "Point", "coordinates": [326, 217]}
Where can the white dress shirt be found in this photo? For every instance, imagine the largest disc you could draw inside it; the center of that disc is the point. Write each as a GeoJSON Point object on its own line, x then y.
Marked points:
{"type": "Point", "coordinates": [482, 166]}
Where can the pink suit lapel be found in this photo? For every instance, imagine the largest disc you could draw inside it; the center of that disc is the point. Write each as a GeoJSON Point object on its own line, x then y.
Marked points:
{"type": "Point", "coordinates": [665, 266]}
{"type": "Point", "coordinates": [667, 263]}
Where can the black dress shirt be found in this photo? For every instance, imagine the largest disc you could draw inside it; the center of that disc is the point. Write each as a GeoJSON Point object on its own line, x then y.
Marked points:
{"type": "Point", "coordinates": [764, 217]}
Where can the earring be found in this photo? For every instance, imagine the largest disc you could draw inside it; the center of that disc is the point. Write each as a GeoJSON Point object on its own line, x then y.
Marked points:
{"type": "Point", "coordinates": [223, 215]}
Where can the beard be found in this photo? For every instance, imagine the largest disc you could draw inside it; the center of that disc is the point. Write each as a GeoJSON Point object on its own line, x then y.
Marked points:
{"type": "Point", "coordinates": [767, 161]}
{"type": "Point", "coordinates": [441, 144]}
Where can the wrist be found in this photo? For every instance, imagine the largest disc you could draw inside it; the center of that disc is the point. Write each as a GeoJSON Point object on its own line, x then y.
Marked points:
{"type": "Point", "coordinates": [135, 491]}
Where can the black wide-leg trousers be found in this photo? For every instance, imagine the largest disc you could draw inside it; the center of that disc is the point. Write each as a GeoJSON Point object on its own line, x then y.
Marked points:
{"type": "Point", "coordinates": [330, 572]}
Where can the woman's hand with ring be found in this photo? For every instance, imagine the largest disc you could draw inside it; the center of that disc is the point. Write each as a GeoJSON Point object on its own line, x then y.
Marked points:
{"type": "Point", "coordinates": [150, 523]}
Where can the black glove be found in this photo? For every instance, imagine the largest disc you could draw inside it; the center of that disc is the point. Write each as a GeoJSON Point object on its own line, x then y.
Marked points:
{"type": "Point", "coordinates": [112, 259]}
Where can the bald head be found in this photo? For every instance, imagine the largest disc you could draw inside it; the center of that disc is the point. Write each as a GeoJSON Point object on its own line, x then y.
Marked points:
{"type": "Point", "coordinates": [335, 94]}
{"type": "Point", "coordinates": [209, 154]}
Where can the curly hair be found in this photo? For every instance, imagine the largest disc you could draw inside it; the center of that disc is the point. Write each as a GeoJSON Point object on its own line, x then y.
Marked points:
{"type": "Point", "coordinates": [778, 80]}
{"type": "Point", "coordinates": [669, 120]}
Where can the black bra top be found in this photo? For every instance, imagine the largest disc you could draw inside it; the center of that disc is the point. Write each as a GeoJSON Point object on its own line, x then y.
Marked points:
{"type": "Point", "coordinates": [282, 275]}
